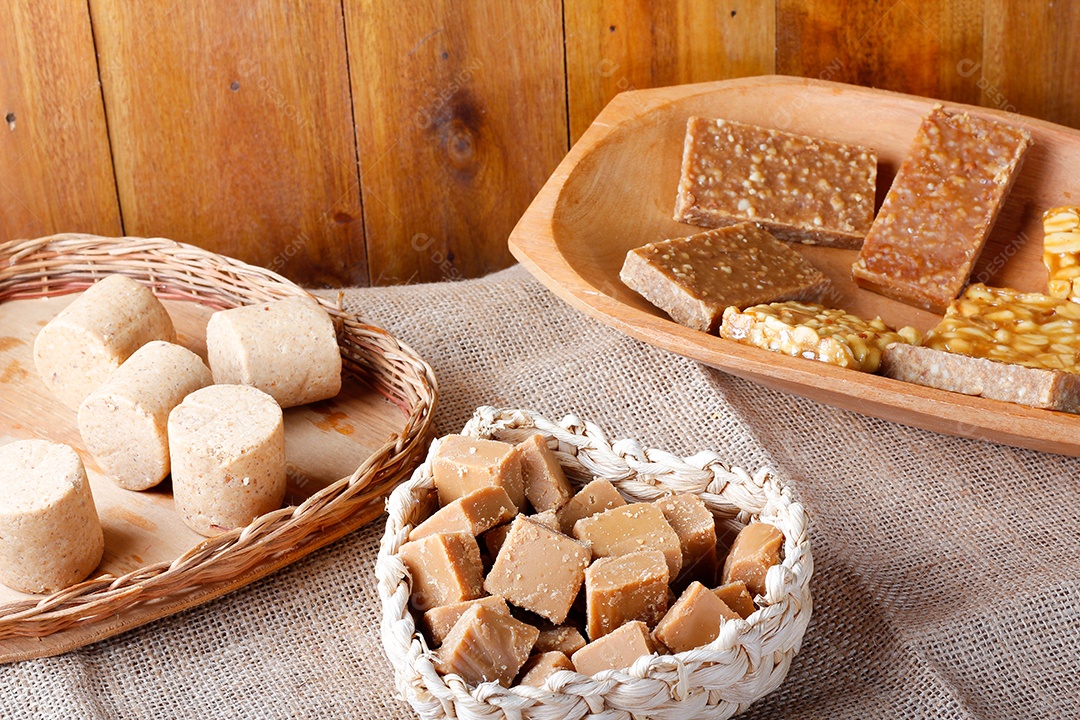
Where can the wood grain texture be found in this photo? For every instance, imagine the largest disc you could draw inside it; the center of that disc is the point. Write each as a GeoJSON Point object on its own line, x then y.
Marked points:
{"type": "Point", "coordinates": [1030, 62]}
{"type": "Point", "coordinates": [612, 47]}
{"type": "Point", "coordinates": [615, 189]}
{"type": "Point", "coordinates": [231, 129]}
{"type": "Point", "coordinates": [56, 173]}
{"type": "Point", "coordinates": [912, 46]}
{"type": "Point", "coordinates": [460, 118]}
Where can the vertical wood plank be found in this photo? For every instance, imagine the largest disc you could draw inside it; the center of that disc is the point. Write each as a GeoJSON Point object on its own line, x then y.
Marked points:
{"type": "Point", "coordinates": [231, 128]}
{"type": "Point", "coordinates": [617, 46]}
{"type": "Point", "coordinates": [55, 170]}
{"type": "Point", "coordinates": [912, 46]}
{"type": "Point", "coordinates": [460, 119]}
{"type": "Point", "coordinates": [1031, 59]}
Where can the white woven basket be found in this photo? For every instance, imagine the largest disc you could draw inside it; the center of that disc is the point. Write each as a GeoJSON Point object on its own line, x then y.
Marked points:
{"type": "Point", "coordinates": [750, 658]}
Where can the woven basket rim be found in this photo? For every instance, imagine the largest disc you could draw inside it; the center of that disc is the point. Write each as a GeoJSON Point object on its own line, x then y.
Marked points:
{"type": "Point", "coordinates": [643, 474]}
{"type": "Point", "coordinates": [69, 262]}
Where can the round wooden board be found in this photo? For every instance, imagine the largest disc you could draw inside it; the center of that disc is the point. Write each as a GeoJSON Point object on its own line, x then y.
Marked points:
{"type": "Point", "coordinates": [615, 191]}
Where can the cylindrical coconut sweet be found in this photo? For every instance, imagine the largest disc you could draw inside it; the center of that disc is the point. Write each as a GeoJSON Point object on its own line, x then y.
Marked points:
{"type": "Point", "coordinates": [124, 423]}
{"type": "Point", "coordinates": [227, 444]}
{"type": "Point", "coordinates": [287, 348]}
{"type": "Point", "coordinates": [87, 341]}
{"type": "Point", "coordinates": [50, 535]}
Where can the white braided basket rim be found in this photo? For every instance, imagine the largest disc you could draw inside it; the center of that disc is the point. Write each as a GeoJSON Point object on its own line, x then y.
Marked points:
{"type": "Point", "coordinates": [750, 658]}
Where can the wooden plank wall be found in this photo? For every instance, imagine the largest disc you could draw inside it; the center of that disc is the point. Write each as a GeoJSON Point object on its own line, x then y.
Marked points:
{"type": "Point", "coordinates": [365, 142]}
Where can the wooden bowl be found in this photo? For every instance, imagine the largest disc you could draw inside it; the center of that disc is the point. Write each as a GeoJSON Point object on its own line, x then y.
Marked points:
{"type": "Point", "coordinates": [615, 191]}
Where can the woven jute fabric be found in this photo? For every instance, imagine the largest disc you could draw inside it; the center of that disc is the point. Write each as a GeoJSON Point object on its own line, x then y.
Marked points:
{"type": "Point", "coordinates": [947, 571]}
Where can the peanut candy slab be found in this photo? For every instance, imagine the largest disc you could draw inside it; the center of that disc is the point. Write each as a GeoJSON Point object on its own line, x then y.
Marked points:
{"type": "Point", "coordinates": [694, 278]}
{"type": "Point", "coordinates": [940, 208]}
{"type": "Point", "coordinates": [1028, 329]}
{"type": "Point", "coordinates": [815, 332]}
{"type": "Point", "coordinates": [800, 189]}
{"type": "Point", "coordinates": [1061, 251]}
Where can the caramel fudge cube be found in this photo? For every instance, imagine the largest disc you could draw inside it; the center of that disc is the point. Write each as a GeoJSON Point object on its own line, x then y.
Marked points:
{"type": "Point", "coordinates": [798, 188]}
{"type": "Point", "coordinates": [694, 619]}
{"type": "Point", "coordinates": [596, 497]}
{"type": "Point", "coordinates": [564, 638]}
{"type": "Point", "coordinates": [548, 519]}
{"type": "Point", "coordinates": [940, 209]}
{"type": "Point", "coordinates": [735, 596]}
{"type": "Point", "coordinates": [538, 569]}
{"type": "Point", "coordinates": [693, 279]}
{"type": "Point", "coordinates": [545, 483]}
{"type": "Point", "coordinates": [463, 464]}
{"type": "Point", "coordinates": [756, 549]}
{"type": "Point", "coordinates": [696, 528]}
{"type": "Point", "coordinates": [494, 539]}
{"type": "Point", "coordinates": [624, 588]}
{"type": "Point", "coordinates": [617, 650]}
{"type": "Point", "coordinates": [540, 667]}
{"type": "Point", "coordinates": [444, 568]}
{"type": "Point", "coordinates": [474, 513]}
{"type": "Point", "coordinates": [627, 529]}
{"type": "Point", "coordinates": [486, 644]}
{"type": "Point", "coordinates": [439, 621]}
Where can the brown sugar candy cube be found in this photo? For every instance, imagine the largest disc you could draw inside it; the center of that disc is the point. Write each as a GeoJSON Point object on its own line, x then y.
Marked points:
{"type": "Point", "coordinates": [494, 538]}
{"type": "Point", "coordinates": [596, 497]}
{"type": "Point", "coordinates": [538, 569]}
{"type": "Point", "coordinates": [617, 650]}
{"type": "Point", "coordinates": [696, 528]}
{"type": "Point", "coordinates": [563, 638]}
{"type": "Point", "coordinates": [439, 621]}
{"type": "Point", "coordinates": [756, 549]}
{"type": "Point", "coordinates": [627, 529]}
{"type": "Point", "coordinates": [735, 596]}
{"type": "Point", "coordinates": [463, 464]}
{"type": "Point", "coordinates": [625, 588]}
{"type": "Point", "coordinates": [445, 569]}
{"type": "Point", "coordinates": [542, 666]}
{"type": "Point", "coordinates": [474, 513]}
{"type": "Point", "coordinates": [693, 279]}
{"type": "Point", "coordinates": [694, 619]}
{"type": "Point", "coordinates": [545, 483]}
{"type": "Point", "coordinates": [486, 644]}
{"type": "Point", "coordinates": [798, 188]}
{"type": "Point", "coordinates": [940, 208]}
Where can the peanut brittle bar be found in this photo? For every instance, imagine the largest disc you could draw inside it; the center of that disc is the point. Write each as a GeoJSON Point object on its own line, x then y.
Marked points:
{"type": "Point", "coordinates": [815, 332]}
{"type": "Point", "coordinates": [801, 189]}
{"type": "Point", "coordinates": [1061, 251]}
{"type": "Point", "coordinates": [1001, 344]}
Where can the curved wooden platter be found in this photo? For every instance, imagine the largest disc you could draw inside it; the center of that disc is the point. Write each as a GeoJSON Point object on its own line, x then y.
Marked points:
{"type": "Point", "coordinates": [615, 190]}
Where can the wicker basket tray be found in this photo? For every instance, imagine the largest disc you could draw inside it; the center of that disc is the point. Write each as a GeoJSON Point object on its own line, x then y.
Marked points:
{"type": "Point", "coordinates": [360, 443]}
{"type": "Point", "coordinates": [750, 658]}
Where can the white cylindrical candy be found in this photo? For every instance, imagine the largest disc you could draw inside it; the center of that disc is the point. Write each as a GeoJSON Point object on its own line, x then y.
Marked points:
{"type": "Point", "coordinates": [228, 457]}
{"type": "Point", "coordinates": [124, 423]}
{"type": "Point", "coordinates": [287, 348]}
{"type": "Point", "coordinates": [50, 535]}
{"type": "Point", "coordinates": [88, 340]}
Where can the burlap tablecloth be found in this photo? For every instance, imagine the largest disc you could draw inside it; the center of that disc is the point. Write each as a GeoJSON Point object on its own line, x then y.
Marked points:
{"type": "Point", "coordinates": [947, 579]}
